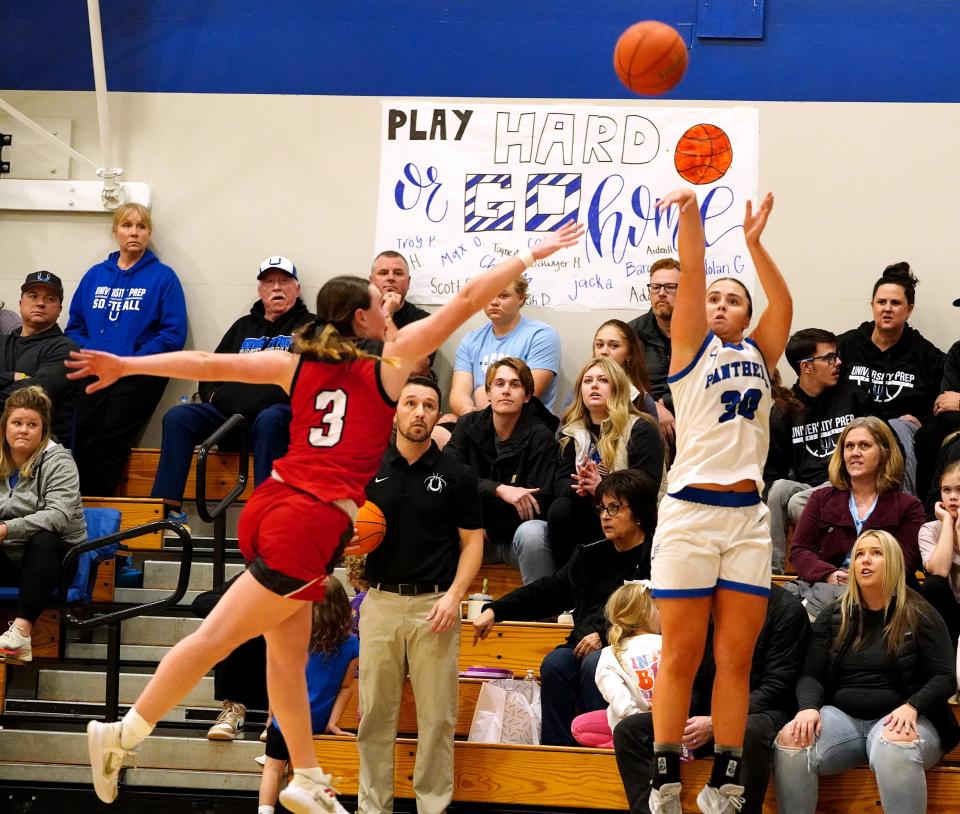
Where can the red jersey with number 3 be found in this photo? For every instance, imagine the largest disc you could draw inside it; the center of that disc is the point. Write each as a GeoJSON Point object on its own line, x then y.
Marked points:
{"type": "Point", "coordinates": [342, 421]}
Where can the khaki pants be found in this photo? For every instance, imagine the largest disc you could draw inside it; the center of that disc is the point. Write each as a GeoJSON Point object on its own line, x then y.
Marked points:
{"type": "Point", "coordinates": [395, 638]}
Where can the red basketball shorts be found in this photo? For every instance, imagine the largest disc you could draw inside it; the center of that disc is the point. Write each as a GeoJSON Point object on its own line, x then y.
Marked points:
{"type": "Point", "coordinates": [289, 537]}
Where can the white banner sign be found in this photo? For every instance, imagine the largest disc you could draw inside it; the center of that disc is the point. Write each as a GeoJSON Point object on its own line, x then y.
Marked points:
{"type": "Point", "coordinates": [463, 186]}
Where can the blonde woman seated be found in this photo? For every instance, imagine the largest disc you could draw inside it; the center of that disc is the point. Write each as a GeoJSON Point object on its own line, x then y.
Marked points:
{"type": "Point", "coordinates": [873, 690]}
{"type": "Point", "coordinates": [41, 513]}
{"type": "Point", "coordinates": [601, 432]}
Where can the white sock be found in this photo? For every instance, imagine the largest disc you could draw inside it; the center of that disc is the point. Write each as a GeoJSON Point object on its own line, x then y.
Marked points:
{"type": "Point", "coordinates": [317, 775]}
{"type": "Point", "coordinates": [265, 810]}
{"type": "Point", "coordinates": [133, 730]}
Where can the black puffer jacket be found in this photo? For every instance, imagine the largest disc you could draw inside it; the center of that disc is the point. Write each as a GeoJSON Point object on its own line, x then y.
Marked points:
{"type": "Point", "coordinates": [925, 664]}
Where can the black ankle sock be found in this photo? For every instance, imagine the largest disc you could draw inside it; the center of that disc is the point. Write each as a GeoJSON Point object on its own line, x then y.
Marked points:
{"type": "Point", "coordinates": [666, 764]}
{"type": "Point", "coordinates": [726, 766]}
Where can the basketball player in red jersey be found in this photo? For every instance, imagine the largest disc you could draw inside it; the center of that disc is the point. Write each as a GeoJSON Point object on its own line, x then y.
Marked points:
{"type": "Point", "coordinates": [343, 394]}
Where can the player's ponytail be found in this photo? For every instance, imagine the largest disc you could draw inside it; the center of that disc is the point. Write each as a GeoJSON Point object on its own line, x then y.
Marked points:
{"type": "Point", "coordinates": [327, 337]}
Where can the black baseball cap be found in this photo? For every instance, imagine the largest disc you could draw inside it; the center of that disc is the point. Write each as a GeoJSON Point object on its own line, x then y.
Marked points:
{"type": "Point", "coordinates": [47, 278]}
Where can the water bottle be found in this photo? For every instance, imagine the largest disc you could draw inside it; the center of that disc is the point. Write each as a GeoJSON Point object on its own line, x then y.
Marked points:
{"type": "Point", "coordinates": [184, 400]}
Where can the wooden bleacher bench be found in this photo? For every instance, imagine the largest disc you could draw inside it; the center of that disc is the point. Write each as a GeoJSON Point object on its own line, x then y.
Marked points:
{"type": "Point", "coordinates": [584, 779]}
{"type": "Point", "coordinates": [519, 646]}
{"type": "Point", "coordinates": [501, 580]}
{"type": "Point", "coordinates": [469, 691]}
{"type": "Point", "coordinates": [407, 720]}
{"type": "Point", "coordinates": [496, 773]}
{"type": "Point", "coordinates": [141, 469]}
{"type": "Point", "coordinates": [133, 512]}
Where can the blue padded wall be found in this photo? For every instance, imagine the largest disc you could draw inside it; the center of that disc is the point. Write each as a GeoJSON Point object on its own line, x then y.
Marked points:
{"type": "Point", "coordinates": [811, 50]}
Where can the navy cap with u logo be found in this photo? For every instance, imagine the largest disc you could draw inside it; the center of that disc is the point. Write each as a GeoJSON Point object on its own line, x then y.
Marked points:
{"type": "Point", "coordinates": [47, 278]}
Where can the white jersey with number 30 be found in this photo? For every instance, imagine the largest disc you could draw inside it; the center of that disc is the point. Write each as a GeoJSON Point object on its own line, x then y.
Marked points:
{"type": "Point", "coordinates": [722, 401]}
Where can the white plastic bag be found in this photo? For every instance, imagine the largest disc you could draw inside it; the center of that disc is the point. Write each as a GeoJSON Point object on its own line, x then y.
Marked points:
{"type": "Point", "coordinates": [507, 711]}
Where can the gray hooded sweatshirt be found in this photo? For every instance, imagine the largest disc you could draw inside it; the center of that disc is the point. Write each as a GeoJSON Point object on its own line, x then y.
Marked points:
{"type": "Point", "coordinates": [49, 500]}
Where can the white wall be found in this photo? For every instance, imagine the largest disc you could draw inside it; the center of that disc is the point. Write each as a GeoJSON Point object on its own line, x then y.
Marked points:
{"type": "Point", "coordinates": [237, 178]}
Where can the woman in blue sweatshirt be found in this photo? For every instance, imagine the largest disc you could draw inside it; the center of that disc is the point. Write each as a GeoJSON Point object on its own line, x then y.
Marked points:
{"type": "Point", "coordinates": [131, 304]}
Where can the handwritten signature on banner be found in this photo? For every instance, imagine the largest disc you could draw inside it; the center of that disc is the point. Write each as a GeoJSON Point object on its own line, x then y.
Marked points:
{"type": "Point", "coordinates": [450, 215]}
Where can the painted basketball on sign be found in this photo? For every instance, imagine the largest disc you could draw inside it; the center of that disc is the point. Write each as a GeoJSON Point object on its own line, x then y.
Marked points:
{"type": "Point", "coordinates": [703, 154]}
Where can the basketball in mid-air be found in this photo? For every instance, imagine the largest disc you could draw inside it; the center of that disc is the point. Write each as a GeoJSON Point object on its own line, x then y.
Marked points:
{"type": "Point", "coordinates": [650, 57]}
{"type": "Point", "coordinates": [369, 528]}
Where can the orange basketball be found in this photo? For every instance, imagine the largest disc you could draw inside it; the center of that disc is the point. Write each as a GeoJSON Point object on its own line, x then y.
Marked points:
{"type": "Point", "coordinates": [650, 57]}
{"type": "Point", "coordinates": [703, 154]}
{"type": "Point", "coordinates": [369, 529]}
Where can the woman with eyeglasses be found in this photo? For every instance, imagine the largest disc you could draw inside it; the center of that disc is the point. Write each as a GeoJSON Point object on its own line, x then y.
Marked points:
{"type": "Point", "coordinates": [894, 364]}
{"type": "Point", "coordinates": [804, 425]}
{"type": "Point", "coordinates": [627, 500]}
{"type": "Point", "coordinates": [713, 549]}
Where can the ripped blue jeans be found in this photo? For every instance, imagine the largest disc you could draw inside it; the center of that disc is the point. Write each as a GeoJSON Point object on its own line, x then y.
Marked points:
{"type": "Point", "coordinates": [846, 742]}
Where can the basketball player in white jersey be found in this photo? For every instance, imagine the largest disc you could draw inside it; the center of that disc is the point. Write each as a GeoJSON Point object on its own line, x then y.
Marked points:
{"type": "Point", "coordinates": [712, 548]}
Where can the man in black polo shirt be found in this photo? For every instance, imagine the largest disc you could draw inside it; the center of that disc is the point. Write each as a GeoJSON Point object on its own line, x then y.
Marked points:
{"type": "Point", "coordinates": [410, 617]}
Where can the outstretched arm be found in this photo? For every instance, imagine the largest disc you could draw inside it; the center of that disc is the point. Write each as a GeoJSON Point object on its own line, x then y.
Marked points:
{"type": "Point", "coordinates": [269, 367]}
{"type": "Point", "coordinates": [773, 327]}
{"type": "Point", "coordinates": [416, 340]}
{"type": "Point", "coordinates": [689, 324]}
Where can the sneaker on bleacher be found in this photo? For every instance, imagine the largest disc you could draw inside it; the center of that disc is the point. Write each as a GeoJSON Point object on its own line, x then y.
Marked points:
{"type": "Point", "coordinates": [14, 645]}
{"type": "Point", "coordinates": [725, 800]}
{"type": "Point", "coordinates": [178, 517]}
{"type": "Point", "coordinates": [230, 722]}
{"type": "Point", "coordinates": [666, 799]}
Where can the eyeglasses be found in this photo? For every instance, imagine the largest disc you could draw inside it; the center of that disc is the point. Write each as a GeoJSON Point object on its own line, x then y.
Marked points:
{"type": "Point", "coordinates": [656, 288]}
{"type": "Point", "coordinates": [829, 358]}
{"type": "Point", "coordinates": [612, 509]}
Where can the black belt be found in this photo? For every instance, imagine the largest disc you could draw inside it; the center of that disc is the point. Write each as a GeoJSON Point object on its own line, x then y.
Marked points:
{"type": "Point", "coordinates": [410, 588]}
